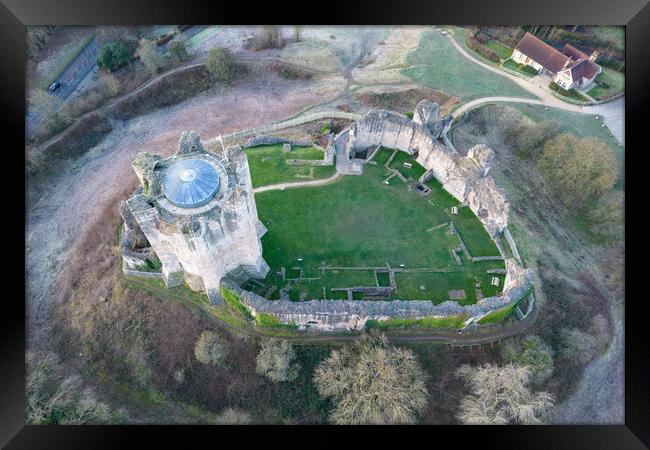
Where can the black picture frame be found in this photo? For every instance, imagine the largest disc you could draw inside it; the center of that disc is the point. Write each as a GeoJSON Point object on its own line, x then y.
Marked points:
{"type": "Point", "coordinates": [634, 14]}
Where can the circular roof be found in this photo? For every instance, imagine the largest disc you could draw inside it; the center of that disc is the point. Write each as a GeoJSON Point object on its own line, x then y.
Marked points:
{"type": "Point", "coordinates": [190, 183]}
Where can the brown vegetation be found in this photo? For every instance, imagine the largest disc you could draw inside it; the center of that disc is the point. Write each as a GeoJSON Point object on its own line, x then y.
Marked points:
{"type": "Point", "coordinates": [500, 395]}
{"type": "Point", "coordinates": [372, 382]}
{"type": "Point", "coordinates": [404, 101]}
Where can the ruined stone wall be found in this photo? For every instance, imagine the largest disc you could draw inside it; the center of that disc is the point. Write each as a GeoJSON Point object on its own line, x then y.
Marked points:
{"type": "Point", "coordinates": [201, 245]}
{"type": "Point", "coordinates": [338, 315]}
{"type": "Point", "coordinates": [466, 178]}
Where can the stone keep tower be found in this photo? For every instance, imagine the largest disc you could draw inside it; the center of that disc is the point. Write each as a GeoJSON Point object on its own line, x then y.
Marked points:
{"type": "Point", "coordinates": [198, 212]}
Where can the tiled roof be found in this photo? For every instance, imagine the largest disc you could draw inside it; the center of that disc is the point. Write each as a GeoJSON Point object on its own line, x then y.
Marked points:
{"type": "Point", "coordinates": [574, 53]}
{"type": "Point", "coordinates": [583, 69]}
{"type": "Point", "coordinates": [539, 51]}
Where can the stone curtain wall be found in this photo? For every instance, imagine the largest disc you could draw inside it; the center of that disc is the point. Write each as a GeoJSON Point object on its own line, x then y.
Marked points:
{"type": "Point", "coordinates": [338, 315]}
{"type": "Point", "coordinates": [466, 178]}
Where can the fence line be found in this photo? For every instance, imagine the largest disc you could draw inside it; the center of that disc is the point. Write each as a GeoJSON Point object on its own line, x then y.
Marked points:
{"type": "Point", "coordinates": [281, 125]}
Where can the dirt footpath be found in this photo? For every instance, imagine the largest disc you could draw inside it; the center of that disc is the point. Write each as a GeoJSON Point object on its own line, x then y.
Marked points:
{"type": "Point", "coordinates": [104, 175]}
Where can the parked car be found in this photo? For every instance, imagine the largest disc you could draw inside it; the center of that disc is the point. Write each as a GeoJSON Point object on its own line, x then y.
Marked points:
{"type": "Point", "coordinates": [56, 85]}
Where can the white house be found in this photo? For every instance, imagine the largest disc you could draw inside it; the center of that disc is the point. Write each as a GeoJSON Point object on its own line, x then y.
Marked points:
{"type": "Point", "coordinates": [569, 68]}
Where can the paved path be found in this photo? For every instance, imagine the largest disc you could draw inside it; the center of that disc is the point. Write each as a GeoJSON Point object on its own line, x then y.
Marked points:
{"type": "Point", "coordinates": [483, 100]}
{"type": "Point", "coordinates": [613, 114]}
{"type": "Point", "coordinates": [283, 186]}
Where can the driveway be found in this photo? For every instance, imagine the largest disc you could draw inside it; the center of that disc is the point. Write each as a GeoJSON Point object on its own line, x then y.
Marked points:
{"type": "Point", "coordinates": [613, 114]}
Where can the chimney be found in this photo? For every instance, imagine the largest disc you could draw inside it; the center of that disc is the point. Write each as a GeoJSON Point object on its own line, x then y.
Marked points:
{"type": "Point", "coordinates": [593, 56]}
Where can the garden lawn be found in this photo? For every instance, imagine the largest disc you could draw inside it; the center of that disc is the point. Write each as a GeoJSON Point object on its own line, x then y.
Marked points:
{"type": "Point", "coordinates": [501, 50]}
{"type": "Point", "coordinates": [615, 80]}
{"type": "Point", "coordinates": [437, 64]}
{"type": "Point", "coordinates": [520, 68]}
{"type": "Point", "coordinates": [268, 165]}
{"type": "Point", "coordinates": [359, 221]}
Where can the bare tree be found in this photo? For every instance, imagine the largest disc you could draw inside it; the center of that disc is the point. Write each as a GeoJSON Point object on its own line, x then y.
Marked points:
{"type": "Point", "coordinates": [372, 382]}
{"type": "Point", "coordinates": [53, 117]}
{"type": "Point", "coordinates": [500, 395]}
{"type": "Point", "coordinates": [52, 398]}
{"type": "Point", "coordinates": [232, 416]}
{"type": "Point", "coordinates": [149, 56]}
{"type": "Point", "coordinates": [111, 84]}
{"type": "Point", "coordinates": [211, 349]}
{"type": "Point", "coordinates": [275, 361]}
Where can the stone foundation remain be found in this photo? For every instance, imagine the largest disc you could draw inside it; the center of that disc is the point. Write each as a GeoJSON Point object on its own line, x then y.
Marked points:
{"type": "Point", "coordinates": [352, 315]}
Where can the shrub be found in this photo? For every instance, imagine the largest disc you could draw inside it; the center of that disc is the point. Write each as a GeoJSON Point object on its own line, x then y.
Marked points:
{"type": "Point", "coordinates": [112, 56]}
{"type": "Point", "coordinates": [567, 93]}
{"type": "Point", "coordinates": [482, 49]}
{"type": "Point", "coordinates": [371, 382]}
{"type": "Point", "coordinates": [268, 37]}
{"type": "Point", "coordinates": [111, 84]}
{"type": "Point", "coordinates": [481, 37]}
{"type": "Point", "coordinates": [578, 345]}
{"type": "Point", "coordinates": [500, 395]}
{"type": "Point", "coordinates": [527, 138]}
{"type": "Point", "coordinates": [607, 217]}
{"type": "Point", "coordinates": [232, 416]}
{"type": "Point", "coordinates": [53, 116]}
{"type": "Point", "coordinates": [275, 361]}
{"type": "Point", "coordinates": [52, 399]}
{"type": "Point", "coordinates": [291, 73]}
{"type": "Point", "coordinates": [149, 56]}
{"type": "Point", "coordinates": [177, 50]}
{"type": "Point", "coordinates": [211, 349]}
{"type": "Point", "coordinates": [221, 64]}
{"type": "Point", "coordinates": [579, 169]}
{"type": "Point", "coordinates": [532, 352]}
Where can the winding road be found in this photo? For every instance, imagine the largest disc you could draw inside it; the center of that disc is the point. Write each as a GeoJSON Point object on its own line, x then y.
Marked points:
{"type": "Point", "coordinates": [613, 112]}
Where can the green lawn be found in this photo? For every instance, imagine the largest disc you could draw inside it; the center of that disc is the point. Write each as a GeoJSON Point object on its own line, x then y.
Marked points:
{"type": "Point", "coordinates": [497, 315]}
{"type": "Point", "coordinates": [437, 64]}
{"type": "Point", "coordinates": [416, 170]}
{"type": "Point", "coordinates": [615, 80]}
{"type": "Point", "coordinates": [359, 221]}
{"type": "Point", "coordinates": [460, 36]}
{"type": "Point", "coordinates": [426, 322]}
{"type": "Point", "coordinates": [501, 50]}
{"type": "Point", "coordinates": [521, 68]}
{"type": "Point", "coordinates": [268, 165]}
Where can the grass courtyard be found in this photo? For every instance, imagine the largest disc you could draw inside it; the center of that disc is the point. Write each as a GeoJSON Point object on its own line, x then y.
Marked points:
{"type": "Point", "coordinates": [436, 63]}
{"type": "Point", "coordinates": [317, 234]}
{"type": "Point", "coordinates": [268, 165]}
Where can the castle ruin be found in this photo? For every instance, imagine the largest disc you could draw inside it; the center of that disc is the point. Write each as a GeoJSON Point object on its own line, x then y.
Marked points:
{"type": "Point", "coordinates": [197, 211]}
